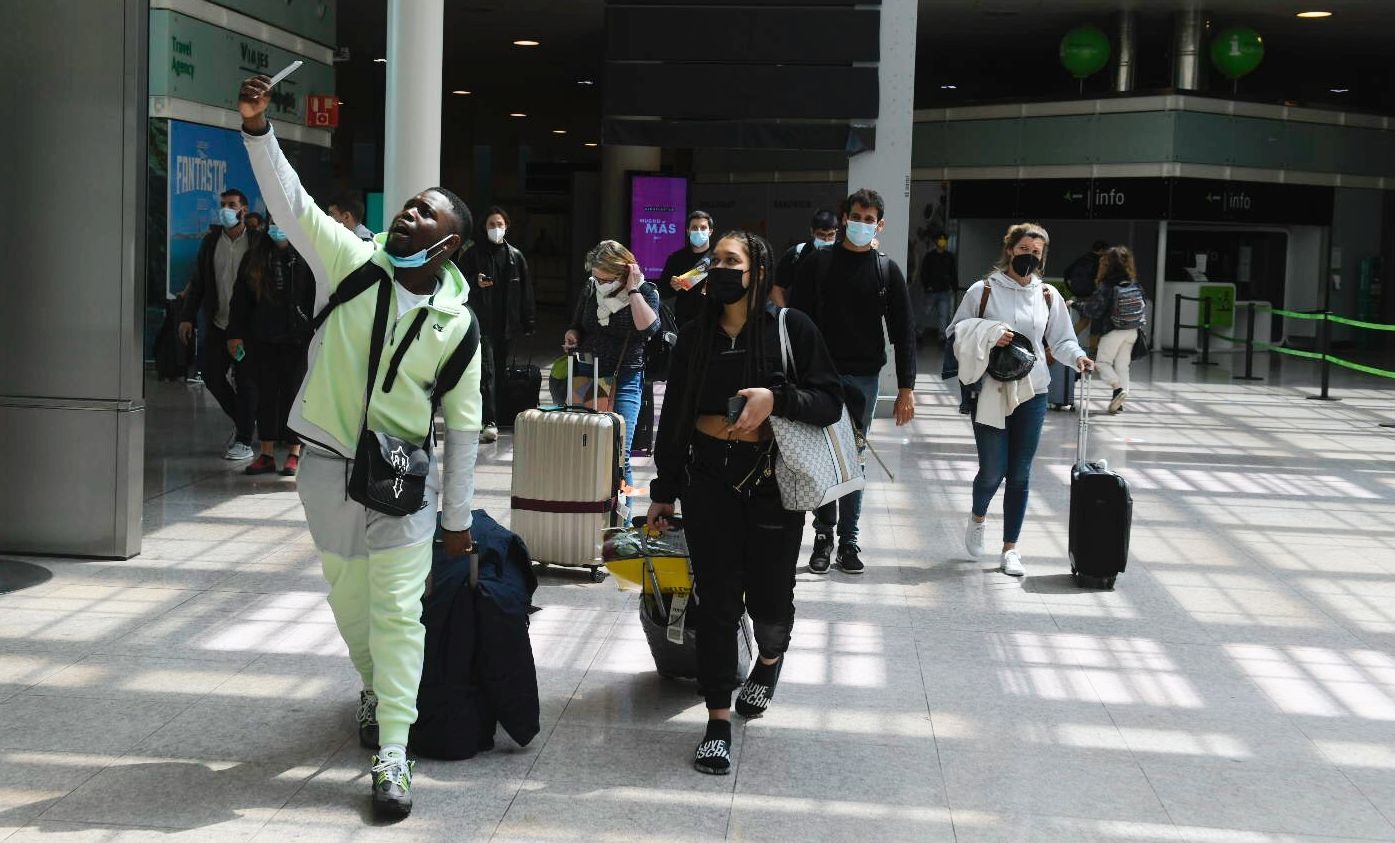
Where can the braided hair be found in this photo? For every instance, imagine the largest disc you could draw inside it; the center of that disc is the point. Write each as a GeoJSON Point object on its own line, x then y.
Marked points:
{"type": "Point", "coordinates": [761, 263]}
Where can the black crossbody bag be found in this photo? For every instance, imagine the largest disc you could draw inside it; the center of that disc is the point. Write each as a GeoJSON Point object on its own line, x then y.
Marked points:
{"type": "Point", "coordinates": [389, 473]}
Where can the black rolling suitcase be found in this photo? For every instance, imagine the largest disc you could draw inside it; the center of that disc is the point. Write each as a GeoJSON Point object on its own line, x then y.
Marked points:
{"type": "Point", "coordinates": [1101, 514]}
{"type": "Point", "coordinates": [521, 387]}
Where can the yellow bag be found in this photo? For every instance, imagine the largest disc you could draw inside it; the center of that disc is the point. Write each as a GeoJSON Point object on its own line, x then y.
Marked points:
{"type": "Point", "coordinates": [657, 563]}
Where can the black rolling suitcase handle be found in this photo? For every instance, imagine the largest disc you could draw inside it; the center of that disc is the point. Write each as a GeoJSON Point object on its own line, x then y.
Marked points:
{"type": "Point", "coordinates": [1084, 434]}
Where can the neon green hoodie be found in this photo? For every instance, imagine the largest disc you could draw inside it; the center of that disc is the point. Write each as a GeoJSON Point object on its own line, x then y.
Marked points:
{"type": "Point", "coordinates": [328, 412]}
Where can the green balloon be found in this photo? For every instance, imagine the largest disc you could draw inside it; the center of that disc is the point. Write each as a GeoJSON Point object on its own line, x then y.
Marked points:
{"type": "Point", "coordinates": [1085, 51]}
{"type": "Point", "coordinates": [1237, 51]}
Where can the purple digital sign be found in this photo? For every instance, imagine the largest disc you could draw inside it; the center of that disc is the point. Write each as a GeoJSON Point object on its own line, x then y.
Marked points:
{"type": "Point", "coordinates": [658, 221]}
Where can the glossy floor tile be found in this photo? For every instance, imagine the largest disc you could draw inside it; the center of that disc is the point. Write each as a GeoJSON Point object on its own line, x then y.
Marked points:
{"type": "Point", "coordinates": [1238, 685]}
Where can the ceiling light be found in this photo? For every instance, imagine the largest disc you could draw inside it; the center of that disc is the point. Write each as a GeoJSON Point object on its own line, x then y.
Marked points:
{"type": "Point", "coordinates": [592, 145]}
{"type": "Point", "coordinates": [559, 131]}
{"type": "Point", "coordinates": [526, 42]}
{"type": "Point", "coordinates": [517, 114]}
{"type": "Point", "coordinates": [461, 93]}
{"type": "Point", "coordinates": [949, 87]}
{"type": "Point", "coordinates": [1339, 90]}
{"type": "Point", "coordinates": [1314, 14]}
{"type": "Point", "coordinates": [587, 82]}
{"type": "Point", "coordinates": [380, 61]}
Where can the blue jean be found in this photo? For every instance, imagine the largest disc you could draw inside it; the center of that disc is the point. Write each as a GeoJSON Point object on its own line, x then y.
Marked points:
{"type": "Point", "coordinates": [941, 309]}
{"type": "Point", "coordinates": [1008, 454]}
{"type": "Point", "coordinates": [629, 392]}
{"type": "Point", "coordinates": [860, 393]}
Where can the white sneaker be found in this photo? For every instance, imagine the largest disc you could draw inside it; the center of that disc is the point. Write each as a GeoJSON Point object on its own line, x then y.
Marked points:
{"type": "Point", "coordinates": [1012, 564]}
{"type": "Point", "coordinates": [1117, 403]}
{"type": "Point", "coordinates": [974, 536]}
{"type": "Point", "coordinates": [238, 452]}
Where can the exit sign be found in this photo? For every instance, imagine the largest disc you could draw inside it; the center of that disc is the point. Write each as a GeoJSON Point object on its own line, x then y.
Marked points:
{"type": "Point", "coordinates": [322, 111]}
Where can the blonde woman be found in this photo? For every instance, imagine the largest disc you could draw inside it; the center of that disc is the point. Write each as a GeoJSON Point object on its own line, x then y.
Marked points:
{"type": "Point", "coordinates": [1014, 300]}
{"type": "Point", "coordinates": [617, 314]}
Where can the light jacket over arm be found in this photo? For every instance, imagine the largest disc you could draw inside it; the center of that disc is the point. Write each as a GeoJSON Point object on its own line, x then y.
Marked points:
{"type": "Point", "coordinates": [464, 414]}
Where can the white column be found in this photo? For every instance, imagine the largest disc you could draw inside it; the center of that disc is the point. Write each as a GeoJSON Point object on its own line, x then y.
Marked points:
{"type": "Point", "coordinates": [412, 141]}
{"type": "Point", "coordinates": [887, 169]}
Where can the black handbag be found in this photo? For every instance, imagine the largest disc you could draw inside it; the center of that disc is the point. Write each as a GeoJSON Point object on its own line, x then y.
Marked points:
{"type": "Point", "coordinates": [1140, 346]}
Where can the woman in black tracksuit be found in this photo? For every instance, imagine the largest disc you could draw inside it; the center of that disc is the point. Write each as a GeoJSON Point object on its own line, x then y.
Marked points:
{"type": "Point", "coordinates": [270, 317]}
{"type": "Point", "coordinates": [744, 544]}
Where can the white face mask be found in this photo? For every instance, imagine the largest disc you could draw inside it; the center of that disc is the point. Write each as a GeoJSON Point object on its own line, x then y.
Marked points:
{"type": "Point", "coordinates": [496, 235]}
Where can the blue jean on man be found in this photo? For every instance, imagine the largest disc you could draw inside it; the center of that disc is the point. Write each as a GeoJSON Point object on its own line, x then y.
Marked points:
{"type": "Point", "coordinates": [1007, 454]}
{"type": "Point", "coordinates": [860, 393]}
{"type": "Point", "coordinates": [941, 309]}
{"type": "Point", "coordinates": [629, 393]}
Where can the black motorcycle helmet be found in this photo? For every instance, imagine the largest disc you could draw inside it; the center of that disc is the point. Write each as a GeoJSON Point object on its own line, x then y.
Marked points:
{"type": "Point", "coordinates": [1012, 362]}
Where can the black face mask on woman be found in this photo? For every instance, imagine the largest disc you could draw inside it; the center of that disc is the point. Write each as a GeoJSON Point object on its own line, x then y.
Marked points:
{"type": "Point", "coordinates": [1025, 265]}
{"type": "Point", "coordinates": [724, 285]}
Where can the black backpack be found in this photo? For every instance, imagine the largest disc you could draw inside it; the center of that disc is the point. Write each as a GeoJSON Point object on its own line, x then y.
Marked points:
{"type": "Point", "coordinates": [1080, 275]}
{"type": "Point", "coordinates": [658, 352]}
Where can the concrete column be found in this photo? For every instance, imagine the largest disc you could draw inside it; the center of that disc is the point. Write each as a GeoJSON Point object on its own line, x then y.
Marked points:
{"type": "Point", "coordinates": [616, 161]}
{"type": "Point", "coordinates": [412, 140]}
{"type": "Point", "coordinates": [1128, 41]}
{"type": "Point", "coordinates": [1186, 58]}
{"type": "Point", "coordinates": [887, 169]}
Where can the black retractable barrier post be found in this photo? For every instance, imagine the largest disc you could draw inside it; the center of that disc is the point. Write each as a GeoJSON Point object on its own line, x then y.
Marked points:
{"type": "Point", "coordinates": [1249, 347]}
{"type": "Point", "coordinates": [1177, 331]}
{"type": "Point", "coordinates": [1204, 330]}
{"type": "Point", "coordinates": [1325, 346]}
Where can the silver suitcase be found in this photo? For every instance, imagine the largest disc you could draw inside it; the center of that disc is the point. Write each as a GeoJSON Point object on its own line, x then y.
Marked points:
{"type": "Point", "coordinates": [567, 468]}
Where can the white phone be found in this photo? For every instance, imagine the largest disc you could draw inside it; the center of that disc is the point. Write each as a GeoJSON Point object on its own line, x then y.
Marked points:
{"type": "Point", "coordinates": [290, 68]}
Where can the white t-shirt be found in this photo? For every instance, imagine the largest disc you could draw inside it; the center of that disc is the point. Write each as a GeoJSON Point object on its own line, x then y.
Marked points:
{"type": "Point", "coordinates": [406, 299]}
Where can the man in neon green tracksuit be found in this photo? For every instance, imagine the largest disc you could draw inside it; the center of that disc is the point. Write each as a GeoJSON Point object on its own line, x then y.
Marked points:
{"type": "Point", "coordinates": [377, 564]}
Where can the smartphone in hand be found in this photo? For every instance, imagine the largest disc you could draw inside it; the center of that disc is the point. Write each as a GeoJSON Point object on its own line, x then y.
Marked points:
{"type": "Point", "coordinates": [735, 406]}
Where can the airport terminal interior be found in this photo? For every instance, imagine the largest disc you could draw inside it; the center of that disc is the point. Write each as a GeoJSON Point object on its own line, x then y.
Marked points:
{"type": "Point", "coordinates": [170, 667]}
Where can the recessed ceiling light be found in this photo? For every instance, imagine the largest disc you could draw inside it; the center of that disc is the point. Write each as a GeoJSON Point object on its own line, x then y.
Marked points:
{"type": "Point", "coordinates": [949, 87]}
{"type": "Point", "coordinates": [461, 93]}
{"type": "Point", "coordinates": [1339, 90]}
{"type": "Point", "coordinates": [340, 102]}
{"type": "Point", "coordinates": [517, 114]}
{"type": "Point", "coordinates": [380, 61]}
{"type": "Point", "coordinates": [587, 82]}
{"type": "Point", "coordinates": [1314, 14]}
{"type": "Point", "coordinates": [592, 145]}
{"type": "Point", "coordinates": [559, 131]}
{"type": "Point", "coordinates": [526, 42]}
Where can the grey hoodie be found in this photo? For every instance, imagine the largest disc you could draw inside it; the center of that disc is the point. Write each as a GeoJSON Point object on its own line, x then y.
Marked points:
{"type": "Point", "coordinates": [1026, 311]}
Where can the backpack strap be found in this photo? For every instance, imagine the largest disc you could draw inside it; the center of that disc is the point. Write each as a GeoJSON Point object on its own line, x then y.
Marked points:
{"type": "Point", "coordinates": [983, 302]}
{"type": "Point", "coordinates": [883, 270]}
{"type": "Point", "coordinates": [457, 362]}
{"type": "Point", "coordinates": [359, 281]}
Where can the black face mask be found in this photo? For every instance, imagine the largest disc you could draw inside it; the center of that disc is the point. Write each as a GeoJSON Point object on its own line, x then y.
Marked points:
{"type": "Point", "coordinates": [724, 285]}
{"type": "Point", "coordinates": [1025, 265]}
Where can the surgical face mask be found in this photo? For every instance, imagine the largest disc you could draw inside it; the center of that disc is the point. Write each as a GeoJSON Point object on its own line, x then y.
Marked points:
{"type": "Point", "coordinates": [496, 235]}
{"type": "Point", "coordinates": [823, 244]}
{"type": "Point", "coordinates": [227, 217]}
{"type": "Point", "coordinates": [699, 238]}
{"type": "Point", "coordinates": [724, 285]}
{"type": "Point", "coordinates": [861, 233]}
{"type": "Point", "coordinates": [275, 233]}
{"type": "Point", "coordinates": [1025, 265]}
{"type": "Point", "coordinates": [418, 259]}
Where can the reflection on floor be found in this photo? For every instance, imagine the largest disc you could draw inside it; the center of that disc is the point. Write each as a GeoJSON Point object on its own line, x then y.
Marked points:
{"type": "Point", "coordinates": [1239, 684]}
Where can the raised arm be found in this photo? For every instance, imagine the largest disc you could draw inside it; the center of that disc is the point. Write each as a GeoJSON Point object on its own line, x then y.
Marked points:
{"type": "Point", "coordinates": [331, 250]}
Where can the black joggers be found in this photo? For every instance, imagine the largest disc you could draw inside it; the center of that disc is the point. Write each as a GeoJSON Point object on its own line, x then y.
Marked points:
{"type": "Point", "coordinates": [279, 367]}
{"type": "Point", "coordinates": [743, 544]}
{"type": "Point", "coordinates": [240, 402]}
{"type": "Point", "coordinates": [494, 373]}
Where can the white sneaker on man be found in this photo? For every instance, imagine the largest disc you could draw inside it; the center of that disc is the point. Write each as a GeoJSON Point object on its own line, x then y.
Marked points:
{"type": "Point", "coordinates": [974, 535]}
{"type": "Point", "coordinates": [1117, 402]}
{"type": "Point", "coordinates": [1012, 564]}
{"type": "Point", "coordinates": [237, 452]}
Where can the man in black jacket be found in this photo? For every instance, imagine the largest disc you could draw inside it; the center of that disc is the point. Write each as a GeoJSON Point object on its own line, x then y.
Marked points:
{"type": "Point", "coordinates": [823, 234]}
{"type": "Point", "coordinates": [688, 302]}
{"type": "Point", "coordinates": [501, 294]}
{"type": "Point", "coordinates": [210, 292]}
{"type": "Point", "coordinates": [940, 280]}
{"type": "Point", "coordinates": [848, 291]}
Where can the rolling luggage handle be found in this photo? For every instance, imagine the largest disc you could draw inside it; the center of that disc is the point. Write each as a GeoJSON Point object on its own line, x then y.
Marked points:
{"type": "Point", "coordinates": [1084, 434]}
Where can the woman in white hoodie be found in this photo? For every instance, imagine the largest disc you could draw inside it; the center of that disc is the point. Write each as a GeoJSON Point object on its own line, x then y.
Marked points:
{"type": "Point", "coordinates": [1015, 296]}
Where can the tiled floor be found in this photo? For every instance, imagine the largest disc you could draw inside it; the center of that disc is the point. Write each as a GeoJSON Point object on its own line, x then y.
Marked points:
{"type": "Point", "coordinates": [1239, 684]}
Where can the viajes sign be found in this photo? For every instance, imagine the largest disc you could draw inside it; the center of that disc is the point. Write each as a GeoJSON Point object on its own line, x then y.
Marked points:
{"type": "Point", "coordinates": [200, 62]}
